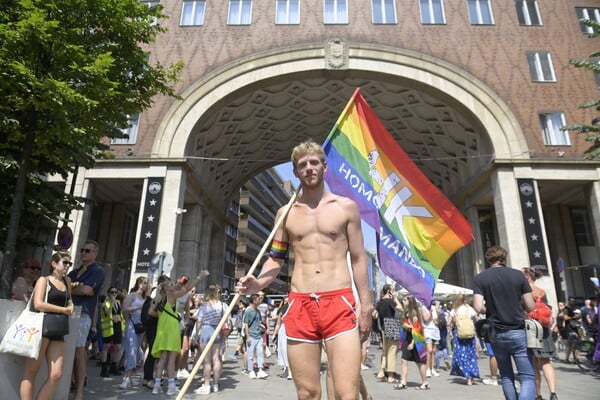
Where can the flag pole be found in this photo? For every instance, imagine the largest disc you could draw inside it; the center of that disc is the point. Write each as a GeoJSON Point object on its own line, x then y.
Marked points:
{"type": "Point", "coordinates": [237, 296]}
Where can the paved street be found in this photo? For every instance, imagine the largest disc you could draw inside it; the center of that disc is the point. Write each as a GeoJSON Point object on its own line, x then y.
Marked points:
{"type": "Point", "coordinates": [572, 384]}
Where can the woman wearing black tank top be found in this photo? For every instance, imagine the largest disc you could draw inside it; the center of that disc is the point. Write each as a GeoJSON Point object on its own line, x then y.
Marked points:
{"type": "Point", "coordinates": [51, 348]}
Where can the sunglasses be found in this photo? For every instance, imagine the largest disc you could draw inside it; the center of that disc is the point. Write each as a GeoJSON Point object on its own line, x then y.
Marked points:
{"type": "Point", "coordinates": [67, 263]}
{"type": "Point", "coordinates": [86, 250]}
{"type": "Point", "coordinates": [113, 292]}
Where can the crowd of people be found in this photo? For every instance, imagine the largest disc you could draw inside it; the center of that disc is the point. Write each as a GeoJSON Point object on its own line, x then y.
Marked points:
{"type": "Point", "coordinates": [326, 317]}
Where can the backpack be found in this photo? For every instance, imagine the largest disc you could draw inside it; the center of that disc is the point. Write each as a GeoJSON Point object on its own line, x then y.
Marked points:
{"type": "Point", "coordinates": [464, 325]}
{"type": "Point", "coordinates": [534, 333]}
{"type": "Point", "coordinates": [541, 313]}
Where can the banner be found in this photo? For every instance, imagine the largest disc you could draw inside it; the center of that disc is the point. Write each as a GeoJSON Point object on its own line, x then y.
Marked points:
{"type": "Point", "coordinates": [418, 229]}
{"type": "Point", "coordinates": [149, 228]}
{"type": "Point", "coordinates": [532, 224]}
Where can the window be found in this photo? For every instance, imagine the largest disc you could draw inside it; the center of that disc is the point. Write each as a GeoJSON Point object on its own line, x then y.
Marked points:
{"type": "Point", "coordinates": [192, 12]}
{"type": "Point", "coordinates": [582, 228]}
{"type": "Point", "coordinates": [528, 12]}
{"type": "Point", "coordinates": [587, 13]}
{"type": "Point", "coordinates": [552, 122]}
{"type": "Point", "coordinates": [384, 12]}
{"type": "Point", "coordinates": [287, 12]}
{"type": "Point", "coordinates": [131, 132]}
{"type": "Point", "coordinates": [480, 12]}
{"type": "Point", "coordinates": [152, 4]}
{"type": "Point", "coordinates": [432, 12]}
{"type": "Point", "coordinates": [335, 12]}
{"type": "Point", "coordinates": [240, 12]}
{"type": "Point", "coordinates": [540, 66]}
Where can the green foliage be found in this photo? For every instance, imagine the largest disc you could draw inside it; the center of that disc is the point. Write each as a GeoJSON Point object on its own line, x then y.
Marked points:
{"type": "Point", "coordinates": [591, 131]}
{"type": "Point", "coordinates": [71, 71]}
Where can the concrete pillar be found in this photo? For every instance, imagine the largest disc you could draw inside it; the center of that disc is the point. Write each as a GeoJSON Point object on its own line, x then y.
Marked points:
{"type": "Point", "coordinates": [509, 217]}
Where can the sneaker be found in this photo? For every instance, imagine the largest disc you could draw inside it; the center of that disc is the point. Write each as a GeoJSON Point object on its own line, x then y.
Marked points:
{"type": "Point", "coordinates": [490, 381]}
{"type": "Point", "coordinates": [156, 389]}
{"type": "Point", "coordinates": [172, 390]}
{"type": "Point", "coordinates": [553, 396]}
{"type": "Point", "coordinates": [215, 388]}
{"type": "Point", "coordinates": [434, 373]}
{"type": "Point", "coordinates": [204, 389]}
{"type": "Point", "coordinates": [428, 374]}
{"type": "Point", "coordinates": [183, 374]}
{"type": "Point", "coordinates": [126, 384]}
{"type": "Point", "coordinates": [244, 371]}
{"type": "Point", "coordinates": [262, 374]}
{"type": "Point", "coordinates": [252, 375]}
{"type": "Point", "coordinates": [364, 367]}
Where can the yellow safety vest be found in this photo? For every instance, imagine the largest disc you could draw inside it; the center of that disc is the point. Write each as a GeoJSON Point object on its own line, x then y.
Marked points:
{"type": "Point", "coordinates": [106, 320]}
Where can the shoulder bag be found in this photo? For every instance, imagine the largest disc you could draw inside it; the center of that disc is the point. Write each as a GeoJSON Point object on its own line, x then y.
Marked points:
{"type": "Point", "coordinates": [24, 336]}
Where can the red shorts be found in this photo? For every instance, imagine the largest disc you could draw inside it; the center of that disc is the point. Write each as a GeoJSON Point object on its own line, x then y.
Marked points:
{"type": "Point", "coordinates": [313, 317]}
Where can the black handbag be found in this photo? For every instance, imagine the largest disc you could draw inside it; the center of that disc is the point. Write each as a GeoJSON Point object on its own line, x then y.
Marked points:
{"type": "Point", "coordinates": [138, 328]}
{"type": "Point", "coordinates": [55, 325]}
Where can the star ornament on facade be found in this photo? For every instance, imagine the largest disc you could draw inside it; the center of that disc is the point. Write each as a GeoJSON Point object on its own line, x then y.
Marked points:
{"type": "Point", "coordinates": [146, 251]}
{"type": "Point", "coordinates": [534, 237]}
{"type": "Point", "coordinates": [152, 202]}
{"type": "Point", "coordinates": [148, 235]}
{"type": "Point", "coordinates": [150, 218]}
{"type": "Point", "coordinates": [529, 204]}
{"type": "Point", "coordinates": [531, 221]}
{"type": "Point", "coordinates": [537, 254]}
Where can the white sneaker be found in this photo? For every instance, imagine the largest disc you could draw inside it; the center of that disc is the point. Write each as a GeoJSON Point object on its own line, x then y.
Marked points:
{"type": "Point", "coordinates": [156, 389]}
{"type": "Point", "coordinates": [262, 374]}
{"type": "Point", "coordinates": [363, 367]}
{"type": "Point", "coordinates": [252, 375]}
{"type": "Point", "coordinates": [215, 388]}
{"type": "Point", "coordinates": [490, 381]}
{"type": "Point", "coordinates": [126, 384]}
{"type": "Point", "coordinates": [204, 389]}
{"type": "Point", "coordinates": [428, 374]}
{"type": "Point", "coordinates": [183, 374]}
{"type": "Point", "coordinates": [434, 373]}
{"type": "Point", "coordinates": [172, 390]}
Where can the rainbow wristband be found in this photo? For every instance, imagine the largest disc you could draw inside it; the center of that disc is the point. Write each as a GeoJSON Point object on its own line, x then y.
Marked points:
{"type": "Point", "coordinates": [279, 249]}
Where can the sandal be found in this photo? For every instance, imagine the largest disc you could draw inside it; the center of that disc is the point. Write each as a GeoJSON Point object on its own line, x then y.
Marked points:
{"type": "Point", "coordinates": [400, 386]}
{"type": "Point", "coordinates": [392, 380]}
{"type": "Point", "coordinates": [424, 386]}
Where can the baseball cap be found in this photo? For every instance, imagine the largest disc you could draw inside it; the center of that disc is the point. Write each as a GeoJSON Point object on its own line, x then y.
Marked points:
{"type": "Point", "coordinates": [577, 311]}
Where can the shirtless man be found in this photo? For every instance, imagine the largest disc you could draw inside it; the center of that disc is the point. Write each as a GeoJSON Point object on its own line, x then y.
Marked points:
{"type": "Point", "coordinates": [321, 229]}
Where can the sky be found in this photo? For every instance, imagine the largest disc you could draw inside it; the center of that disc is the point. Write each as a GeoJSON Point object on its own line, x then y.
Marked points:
{"type": "Point", "coordinates": [285, 171]}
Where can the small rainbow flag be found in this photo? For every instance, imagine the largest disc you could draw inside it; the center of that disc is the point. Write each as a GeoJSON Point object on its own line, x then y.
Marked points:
{"type": "Point", "coordinates": [418, 228]}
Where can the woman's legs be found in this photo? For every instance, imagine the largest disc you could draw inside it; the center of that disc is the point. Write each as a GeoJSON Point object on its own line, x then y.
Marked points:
{"type": "Point", "coordinates": [32, 366]}
{"type": "Point", "coordinates": [54, 360]}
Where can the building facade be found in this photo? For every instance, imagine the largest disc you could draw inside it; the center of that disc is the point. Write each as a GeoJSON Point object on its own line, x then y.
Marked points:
{"type": "Point", "coordinates": [475, 91]}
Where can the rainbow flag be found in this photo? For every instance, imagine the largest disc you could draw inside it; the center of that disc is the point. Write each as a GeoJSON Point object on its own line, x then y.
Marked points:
{"type": "Point", "coordinates": [418, 228]}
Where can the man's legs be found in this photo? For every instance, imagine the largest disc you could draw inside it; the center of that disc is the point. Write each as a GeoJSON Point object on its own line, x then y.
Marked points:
{"type": "Point", "coordinates": [305, 364]}
{"type": "Point", "coordinates": [524, 362]}
{"type": "Point", "coordinates": [80, 360]}
{"type": "Point", "coordinates": [503, 347]}
{"type": "Point", "coordinates": [343, 355]}
{"type": "Point", "coordinates": [512, 345]}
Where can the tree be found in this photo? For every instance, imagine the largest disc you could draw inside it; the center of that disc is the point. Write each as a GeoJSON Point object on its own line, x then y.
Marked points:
{"type": "Point", "coordinates": [71, 72]}
{"type": "Point", "coordinates": [592, 130]}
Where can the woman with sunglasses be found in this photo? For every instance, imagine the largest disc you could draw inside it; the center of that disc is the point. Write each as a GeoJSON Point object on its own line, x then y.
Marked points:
{"type": "Point", "coordinates": [112, 324]}
{"type": "Point", "coordinates": [52, 348]}
{"type": "Point", "coordinates": [22, 286]}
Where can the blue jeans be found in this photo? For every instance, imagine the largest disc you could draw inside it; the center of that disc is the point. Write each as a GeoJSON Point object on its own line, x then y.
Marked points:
{"type": "Point", "coordinates": [256, 345]}
{"type": "Point", "coordinates": [512, 345]}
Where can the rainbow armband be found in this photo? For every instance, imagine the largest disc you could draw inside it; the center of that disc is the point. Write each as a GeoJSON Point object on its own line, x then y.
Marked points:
{"type": "Point", "coordinates": [278, 249]}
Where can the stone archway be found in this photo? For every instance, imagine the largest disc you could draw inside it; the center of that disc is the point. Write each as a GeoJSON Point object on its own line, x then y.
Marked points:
{"type": "Point", "coordinates": [245, 117]}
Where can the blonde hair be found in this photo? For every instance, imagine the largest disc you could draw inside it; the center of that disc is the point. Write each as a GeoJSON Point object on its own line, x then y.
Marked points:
{"type": "Point", "coordinates": [305, 148]}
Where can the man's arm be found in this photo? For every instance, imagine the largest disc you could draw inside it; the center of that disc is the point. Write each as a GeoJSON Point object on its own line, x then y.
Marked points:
{"type": "Point", "coordinates": [528, 302]}
{"type": "Point", "coordinates": [478, 303]}
{"type": "Point", "coordinates": [358, 261]}
{"type": "Point", "coordinates": [250, 284]}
